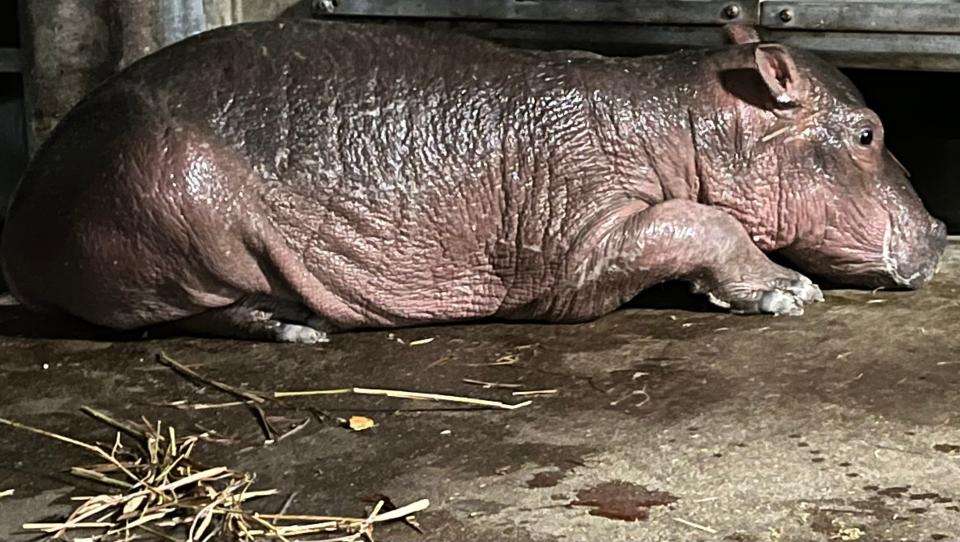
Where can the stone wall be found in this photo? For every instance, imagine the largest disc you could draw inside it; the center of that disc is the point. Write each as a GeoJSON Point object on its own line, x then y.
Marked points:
{"type": "Point", "coordinates": [71, 46]}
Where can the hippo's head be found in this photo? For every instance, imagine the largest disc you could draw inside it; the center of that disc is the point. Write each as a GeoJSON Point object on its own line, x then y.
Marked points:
{"type": "Point", "coordinates": [791, 150]}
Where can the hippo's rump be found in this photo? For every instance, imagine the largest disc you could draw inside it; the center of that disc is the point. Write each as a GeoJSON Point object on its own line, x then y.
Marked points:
{"type": "Point", "coordinates": [373, 160]}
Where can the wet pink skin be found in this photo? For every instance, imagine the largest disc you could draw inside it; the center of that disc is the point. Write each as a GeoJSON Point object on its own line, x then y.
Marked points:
{"type": "Point", "coordinates": [273, 180]}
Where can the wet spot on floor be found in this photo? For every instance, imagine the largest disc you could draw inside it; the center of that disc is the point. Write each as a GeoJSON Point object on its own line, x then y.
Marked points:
{"type": "Point", "coordinates": [947, 448]}
{"type": "Point", "coordinates": [485, 456]}
{"type": "Point", "coordinates": [923, 496]}
{"type": "Point", "coordinates": [622, 500]}
{"type": "Point", "coordinates": [475, 507]}
{"type": "Point", "coordinates": [545, 479]}
{"type": "Point", "coordinates": [878, 393]}
{"type": "Point", "coordinates": [830, 516]}
{"type": "Point", "coordinates": [680, 392]}
{"type": "Point", "coordinates": [897, 491]}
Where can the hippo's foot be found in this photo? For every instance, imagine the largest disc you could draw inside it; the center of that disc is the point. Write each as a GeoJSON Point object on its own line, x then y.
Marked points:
{"type": "Point", "coordinates": [785, 292]}
{"type": "Point", "coordinates": [259, 319]}
{"type": "Point", "coordinates": [265, 324]}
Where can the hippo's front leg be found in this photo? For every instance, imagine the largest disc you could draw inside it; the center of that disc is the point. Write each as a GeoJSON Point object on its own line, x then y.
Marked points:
{"type": "Point", "coordinates": [677, 239]}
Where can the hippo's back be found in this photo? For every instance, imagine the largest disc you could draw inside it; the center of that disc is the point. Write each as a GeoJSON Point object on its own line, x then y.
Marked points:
{"type": "Point", "coordinates": [390, 166]}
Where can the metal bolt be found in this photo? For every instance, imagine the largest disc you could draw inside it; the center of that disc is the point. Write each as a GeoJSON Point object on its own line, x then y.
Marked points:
{"type": "Point", "coordinates": [732, 11]}
{"type": "Point", "coordinates": [324, 6]}
{"type": "Point", "coordinates": [786, 15]}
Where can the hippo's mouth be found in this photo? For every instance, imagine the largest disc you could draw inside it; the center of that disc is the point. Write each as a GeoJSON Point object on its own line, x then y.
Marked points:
{"type": "Point", "coordinates": [911, 260]}
{"type": "Point", "coordinates": [891, 265]}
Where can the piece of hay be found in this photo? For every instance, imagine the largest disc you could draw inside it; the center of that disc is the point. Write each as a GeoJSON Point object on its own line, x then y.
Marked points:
{"type": "Point", "coordinates": [254, 399]}
{"type": "Point", "coordinates": [528, 393]}
{"type": "Point", "coordinates": [401, 394]}
{"type": "Point", "coordinates": [164, 359]}
{"type": "Point", "coordinates": [166, 493]}
{"type": "Point", "coordinates": [488, 385]}
{"type": "Point", "coordinates": [697, 526]}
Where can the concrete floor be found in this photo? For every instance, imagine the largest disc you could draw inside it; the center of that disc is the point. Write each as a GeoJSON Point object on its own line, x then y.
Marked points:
{"type": "Point", "coordinates": [843, 424]}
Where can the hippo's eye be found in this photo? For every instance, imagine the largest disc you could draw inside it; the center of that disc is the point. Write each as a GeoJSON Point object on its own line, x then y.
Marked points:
{"type": "Point", "coordinates": [866, 136]}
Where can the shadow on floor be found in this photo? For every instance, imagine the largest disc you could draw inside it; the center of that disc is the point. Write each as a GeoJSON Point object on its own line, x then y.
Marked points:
{"type": "Point", "coordinates": [16, 321]}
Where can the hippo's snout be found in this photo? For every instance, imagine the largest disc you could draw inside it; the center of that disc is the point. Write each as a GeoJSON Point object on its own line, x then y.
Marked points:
{"type": "Point", "coordinates": [912, 260]}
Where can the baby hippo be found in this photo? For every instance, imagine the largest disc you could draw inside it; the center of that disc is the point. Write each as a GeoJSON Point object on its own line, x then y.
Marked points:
{"type": "Point", "coordinates": [275, 181]}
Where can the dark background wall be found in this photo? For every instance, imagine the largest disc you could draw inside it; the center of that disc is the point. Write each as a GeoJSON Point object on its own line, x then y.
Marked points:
{"type": "Point", "coordinates": [919, 113]}
{"type": "Point", "coordinates": [13, 150]}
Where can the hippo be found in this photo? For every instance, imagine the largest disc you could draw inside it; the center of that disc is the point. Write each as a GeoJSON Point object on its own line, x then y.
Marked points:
{"type": "Point", "coordinates": [279, 181]}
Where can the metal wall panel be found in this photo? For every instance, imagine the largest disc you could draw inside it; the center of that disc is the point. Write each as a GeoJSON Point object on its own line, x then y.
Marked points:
{"type": "Point", "coordinates": [902, 17]}
{"type": "Point", "coordinates": [898, 35]}
{"type": "Point", "coordinates": [847, 16]}
{"type": "Point", "coordinates": [620, 11]}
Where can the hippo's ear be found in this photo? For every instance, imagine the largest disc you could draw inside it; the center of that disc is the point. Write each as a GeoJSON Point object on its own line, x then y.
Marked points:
{"type": "Point", "coordinates": [780, 74]}
{"type": "Point", "coordinates": [741, 34]}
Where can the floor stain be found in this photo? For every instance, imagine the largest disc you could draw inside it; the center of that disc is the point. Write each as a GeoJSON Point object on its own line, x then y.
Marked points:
{"type": "Point", "coordinates": [545, 479]}
{"type": "Point", "coordinates": [897, 491]}
{"type": "Point", "coordinates": [924, 496]}
{"type": "Point", "coordinates": [835, 518]}
{"type": "Point", "coordinates": [622, 500]}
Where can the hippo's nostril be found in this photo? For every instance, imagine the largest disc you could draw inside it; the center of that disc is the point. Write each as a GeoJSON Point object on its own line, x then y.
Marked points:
{"type": "Point", "coordinates": [938, 229]}
{"type": "Point", "coordinates": [937, 238]}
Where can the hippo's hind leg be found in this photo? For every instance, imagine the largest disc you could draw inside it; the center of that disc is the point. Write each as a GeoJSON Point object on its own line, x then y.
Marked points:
{"type": "Point", "coordinates": [257, 318]}
{"type": "Point", "coordinates": [674, 240]}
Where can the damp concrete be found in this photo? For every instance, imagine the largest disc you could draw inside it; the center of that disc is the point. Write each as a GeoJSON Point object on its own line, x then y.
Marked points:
{"type": "Point", "coordinates": [684, 423]}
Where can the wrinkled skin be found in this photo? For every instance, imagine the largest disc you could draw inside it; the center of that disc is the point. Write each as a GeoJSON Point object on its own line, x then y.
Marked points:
{"type": "Point", "coordinates": [276, 180]}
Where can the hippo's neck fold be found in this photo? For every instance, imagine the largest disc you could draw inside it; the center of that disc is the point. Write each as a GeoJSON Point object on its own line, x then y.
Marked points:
{"type": "Point", "coordinates": [642, 128]}
{"type": "Point", "coordinates": [740, 167]}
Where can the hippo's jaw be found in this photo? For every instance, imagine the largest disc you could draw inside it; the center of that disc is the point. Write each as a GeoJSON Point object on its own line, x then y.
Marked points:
{"type": "Point", "coordinates": [906, 256]}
